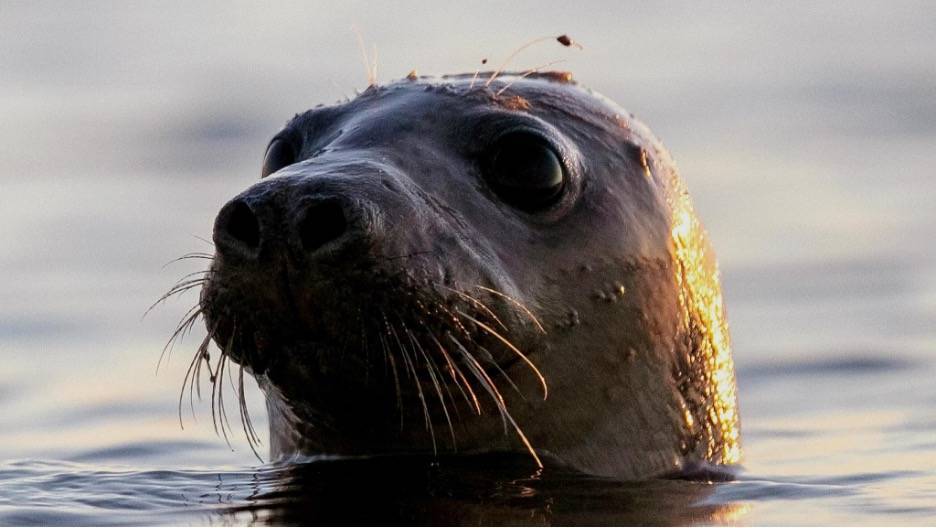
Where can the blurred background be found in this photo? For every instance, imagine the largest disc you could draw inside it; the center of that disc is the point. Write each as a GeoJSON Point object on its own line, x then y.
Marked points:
{"type": "Point", "coordinates": [806, 132]}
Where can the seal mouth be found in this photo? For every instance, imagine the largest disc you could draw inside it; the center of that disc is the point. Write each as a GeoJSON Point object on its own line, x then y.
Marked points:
{"type": "Point", "coordinates": [347, 339]}
{"type": "Point", "coordinates": [419, 350]}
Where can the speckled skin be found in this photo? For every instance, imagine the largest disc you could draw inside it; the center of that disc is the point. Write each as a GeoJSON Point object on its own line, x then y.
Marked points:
{"type": "Point", "coordinates": [635, 350]}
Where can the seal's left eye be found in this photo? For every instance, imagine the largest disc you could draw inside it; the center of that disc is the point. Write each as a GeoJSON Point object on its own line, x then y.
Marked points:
{"type": "Point", "coordinates": [525, 171]}
{"type": "Point", "coordinates": [279, 154]}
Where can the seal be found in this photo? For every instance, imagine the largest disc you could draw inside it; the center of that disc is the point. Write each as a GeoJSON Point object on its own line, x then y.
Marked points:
{"type": "Point", "coordinates": [453, 265]}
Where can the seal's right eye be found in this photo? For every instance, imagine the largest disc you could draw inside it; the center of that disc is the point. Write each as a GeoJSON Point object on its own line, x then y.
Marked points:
{"type": "Point", "coordinates": [279, 154]}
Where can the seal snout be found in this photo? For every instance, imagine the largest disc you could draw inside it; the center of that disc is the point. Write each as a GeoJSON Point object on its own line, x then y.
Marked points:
{"type": "Point", "coordinates": [246, 227]}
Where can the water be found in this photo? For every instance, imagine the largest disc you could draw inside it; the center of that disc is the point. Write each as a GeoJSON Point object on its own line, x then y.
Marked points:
{"type": "Point", "coordinates": [805, 133]}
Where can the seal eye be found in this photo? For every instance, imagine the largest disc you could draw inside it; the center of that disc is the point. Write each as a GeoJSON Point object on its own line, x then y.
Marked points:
{"type": "Point", "coordinates": [279, 154]}
{"type": "Point", "coordinates": [525, 171]}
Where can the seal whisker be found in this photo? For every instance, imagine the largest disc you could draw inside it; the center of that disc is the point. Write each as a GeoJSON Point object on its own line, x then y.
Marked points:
{"type": "Point", "coordinates": [435, 367]}
{"type": "Point", "coordinates": [204, 358]}
{"type": "Point", "coordinates": [203, 273]}
{"type": "Point", "coordinates": [195, 255]}
{"type": "Point", "coordinates": [227, 370]}
{"type": "Point", "coordinates": [445, 385]}
{"type": "Point", "coordinates": [455, 320]}
{"type": "Point", "coordinates": [468, 334]}
{"type": "Point", "coordinates": [203, 239]}
{"type": "Point", "coordinates": [414, 376]}
{"type": "Point", "coordinates": [178, 288]}
{"type": "Point", "coordinates": [403, 354]}
{"type": "Point", "coordinates": [215, 379]}
{"type": "Point", "coordinates": [513, 348]}
{"type": "Point", "coordinates": [388, 354]}
{"type": "Point", "coordinates": [206, 361]}
{"type": "Point", "coordinates": [498, 400]}
{"type": "Point", "coordinates": [217, 409]}
{"type": "Point", "coordinates": [516, 303]}
{"type": "Point", "coordinates": [479, 304]}
{"type": "Point", "coordinates": [459, 377]}
{"type": "Point", "coordinates": [481, 375]}
{"type": "Point", "coordinates": [223, 415]}
{"type": "Point", "coordinates": [487, 356]}
{"type": "Point", "coordinates": [435, 382]}
{"type": "Point", "coordinates": [191, 372]}
{"type": "Point", "coordinates": [185, 324]}
{"type": "Point", "coordinates": [253, 440]}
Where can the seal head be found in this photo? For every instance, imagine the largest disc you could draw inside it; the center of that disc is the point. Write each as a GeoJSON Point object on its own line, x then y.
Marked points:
{"type": "Point", "coordinates": [442, 264]}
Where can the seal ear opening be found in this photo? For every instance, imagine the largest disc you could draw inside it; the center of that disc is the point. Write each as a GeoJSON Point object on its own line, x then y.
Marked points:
{"type": "Point", "coordinates": [280, 153]}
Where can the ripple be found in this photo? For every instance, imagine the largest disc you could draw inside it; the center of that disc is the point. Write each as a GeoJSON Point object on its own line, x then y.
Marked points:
{"type": "Point", "coordinates": [837, 364]}
{"type": "Point", "coordinates": [136, 451]}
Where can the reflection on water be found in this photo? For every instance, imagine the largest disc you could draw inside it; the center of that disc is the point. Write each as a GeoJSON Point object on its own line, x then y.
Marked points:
{"type": "Point", "coordinates": [494, 489]}
{"type": "Point", "coordinates": [804, 131]}
{"type": "Point", "coordinates": [483, 489]}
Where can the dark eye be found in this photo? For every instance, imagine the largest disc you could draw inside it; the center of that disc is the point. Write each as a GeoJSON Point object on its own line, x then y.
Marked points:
{"type": "Point", "coordinates": [525, 171]}
{"type": "Point", "coordinates": [279, 154]}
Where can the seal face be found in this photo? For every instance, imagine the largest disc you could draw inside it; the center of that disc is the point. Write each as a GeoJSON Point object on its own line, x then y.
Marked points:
{"type": "Point", "coordinates": [452, 265]}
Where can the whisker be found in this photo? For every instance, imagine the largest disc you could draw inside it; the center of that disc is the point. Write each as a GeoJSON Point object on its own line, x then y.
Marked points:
{"type": "Point", "coordinates": [516, 303]}
{"type": "Point", "coordinates": [253, 440]}
{"type": "Point", "coordinates": [206, 361]}
{"type": "Point", "coordinates": [219, 383]}
{"type": "Point", "coordinates": [455, 371]}
{"type": "Point", "coordinates": [481, 375]}
{"type": "Point", "coordinates": [487, 356]}
{"type": "Point", "coordinates": [396, 378]}
{"type": "Point", "coordinates": [448, 390]}
{"type": "Point", "coordinates": [226, 366]}
{"type": "Point", "coordinates": [195, 255]}
{"type": "Point", "coordinates": [438, 371]}
{"type": "Point", "coordinates": [477, 303]}
{"type": "Point", "coordinates": [438, 389]}
{"type": "Point", "coordinates": [193, 274]}
{"type": "Point", "coordinates": [184, 325]}
{"type": "Point", "coordinates": [409, 375]}
{"type": "Point", "coordinates": [408, 361]}
{"type": "Point", "coordinates": [203, 239]}
{"type": "Point", "coordinates": [192, 372]}
{"type": "Point", "coordinates": [499, 401]}
{"type": "Point", "coordinates": [514, 349]}
{"type": "Point", "coordinates": [212, 377]}
{"type": "Point", "coordinates": [177, 289]}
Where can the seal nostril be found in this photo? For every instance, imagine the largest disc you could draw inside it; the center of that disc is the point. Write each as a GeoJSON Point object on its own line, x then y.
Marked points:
{"type": "Point", "coordinates": [321, 223]}
{"type": "Point", "coordinates": [242, 224]}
